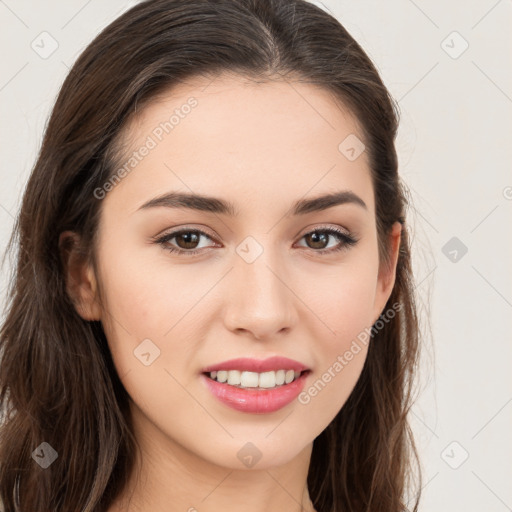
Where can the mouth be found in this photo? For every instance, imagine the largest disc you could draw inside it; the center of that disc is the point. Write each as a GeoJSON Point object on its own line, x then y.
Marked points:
{"type": "Point", "coordinates": [254, 380]}
{"type": "Point", "coordinates": [256, 386]}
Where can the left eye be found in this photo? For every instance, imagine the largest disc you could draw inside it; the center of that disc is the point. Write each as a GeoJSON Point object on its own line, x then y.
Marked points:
{"type": "Point", "coordinates": [187, 240]}
{"type": "Point", "coordinates": [321, 236]}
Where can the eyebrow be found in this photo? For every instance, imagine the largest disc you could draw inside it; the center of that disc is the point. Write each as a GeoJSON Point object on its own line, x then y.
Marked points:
{"type": "Point", "coordinates": [216, 205]}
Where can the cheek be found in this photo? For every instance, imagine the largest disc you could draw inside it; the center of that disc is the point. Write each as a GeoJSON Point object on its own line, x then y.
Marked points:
{"type": "Point", "coordinates": [343, 298]}
{"type": "Point", "coordinates": [145, 315]}
{"type": "Point", "coordinates": [344, 302]}
{"type": "Point", "coordinates": [146, 294]}
{"type": "Point", "coordinates": [141, 303]}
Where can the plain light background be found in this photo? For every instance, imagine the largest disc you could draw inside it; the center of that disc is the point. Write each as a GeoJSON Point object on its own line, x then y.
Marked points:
{"type": "Point", "coordinates": [449, 66]}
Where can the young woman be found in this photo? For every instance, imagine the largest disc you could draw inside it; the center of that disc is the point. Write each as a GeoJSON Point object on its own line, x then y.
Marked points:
{"type": "Point", "coordinates": [212, 306]}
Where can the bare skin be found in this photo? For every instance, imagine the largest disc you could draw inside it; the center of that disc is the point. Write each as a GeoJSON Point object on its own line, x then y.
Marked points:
{"type": "Point", "coordinates": [262, 147]}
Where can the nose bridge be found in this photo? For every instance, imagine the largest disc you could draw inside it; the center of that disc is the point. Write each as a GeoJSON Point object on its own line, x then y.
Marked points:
{"type": "Point", "coordinates": [261, 302]}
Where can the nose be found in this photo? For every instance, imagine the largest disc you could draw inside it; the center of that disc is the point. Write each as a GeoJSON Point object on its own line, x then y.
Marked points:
{"type": "Point", "coordinates": [260, 303]}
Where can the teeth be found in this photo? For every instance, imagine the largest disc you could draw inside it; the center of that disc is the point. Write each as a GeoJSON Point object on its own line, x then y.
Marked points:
{"type": "Point", "coordinates": [234, 377]}
{"type": "Point", "coordinates": [265, 380]}
{"type": "Point", "coordinates": [249, 380]}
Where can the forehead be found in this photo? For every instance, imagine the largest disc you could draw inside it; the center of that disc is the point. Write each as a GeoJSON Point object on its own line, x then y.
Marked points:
{"type": "Point", "coordinates": [233, 137]}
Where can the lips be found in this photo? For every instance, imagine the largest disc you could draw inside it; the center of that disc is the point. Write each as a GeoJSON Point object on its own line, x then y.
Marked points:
{"type": "Point", "coordinates": [257, 365]}
{"type": "Point", "coordinates": [255, 399]}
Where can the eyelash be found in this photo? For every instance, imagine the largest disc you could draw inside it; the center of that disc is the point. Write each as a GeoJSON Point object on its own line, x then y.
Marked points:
{"type": "Point", "coordinates": [346, 240]}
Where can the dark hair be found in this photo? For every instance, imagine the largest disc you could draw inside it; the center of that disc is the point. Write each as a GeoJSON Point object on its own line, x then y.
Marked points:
{"type": "Point", "coordinates": [58, 383]}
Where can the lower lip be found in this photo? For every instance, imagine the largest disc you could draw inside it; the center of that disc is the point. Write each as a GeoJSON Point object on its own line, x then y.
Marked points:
{"type": "Point", "coordinates": [254, 400]}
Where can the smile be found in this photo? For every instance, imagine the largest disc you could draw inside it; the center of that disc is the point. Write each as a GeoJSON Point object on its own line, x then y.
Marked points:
{"type": "Point", "coordinates": [254, 385]}
{"type": "Point", "coordinates": [245, 379]}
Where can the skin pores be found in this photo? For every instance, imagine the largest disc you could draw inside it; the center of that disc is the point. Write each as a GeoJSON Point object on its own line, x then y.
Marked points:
{"type": "Point", "coordinates": [261, 147]}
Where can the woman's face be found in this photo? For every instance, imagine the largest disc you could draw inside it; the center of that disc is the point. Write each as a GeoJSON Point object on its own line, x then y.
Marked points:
{"type": "Point", "coordinates": [258, 279]}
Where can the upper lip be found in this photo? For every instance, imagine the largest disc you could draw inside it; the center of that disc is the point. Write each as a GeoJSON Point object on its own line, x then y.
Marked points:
{"type": "Point", "coordinates": [257, 365]}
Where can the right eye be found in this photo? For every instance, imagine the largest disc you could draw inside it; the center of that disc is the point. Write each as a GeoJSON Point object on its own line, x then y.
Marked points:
{"type": "Point", "coordinates": [186, 237]}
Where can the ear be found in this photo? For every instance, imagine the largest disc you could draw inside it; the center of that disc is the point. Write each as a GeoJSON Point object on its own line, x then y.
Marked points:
{"type": "Point", "coordinates": [387, 273]}
{"type": "Point", "coordinates": [81, 284]}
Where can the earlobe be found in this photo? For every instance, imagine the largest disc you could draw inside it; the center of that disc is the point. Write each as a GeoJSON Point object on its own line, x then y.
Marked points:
{"type": "Point", "coordinates": [81, 283]}
{"type": "Point", "coordinates": [387, 274]}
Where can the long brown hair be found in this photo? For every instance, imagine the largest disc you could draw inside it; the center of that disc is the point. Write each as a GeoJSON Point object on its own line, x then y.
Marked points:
{"type": "Point", "coordinates": [57, 380]}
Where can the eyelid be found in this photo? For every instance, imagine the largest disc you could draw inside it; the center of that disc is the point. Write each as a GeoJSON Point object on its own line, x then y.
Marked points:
{"type": "Point", "coordinates": [322, 227]}
{"type": "Point", "coordinates": [205, 231]}
{"type": "Point", "coordinates": [176, 231]}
